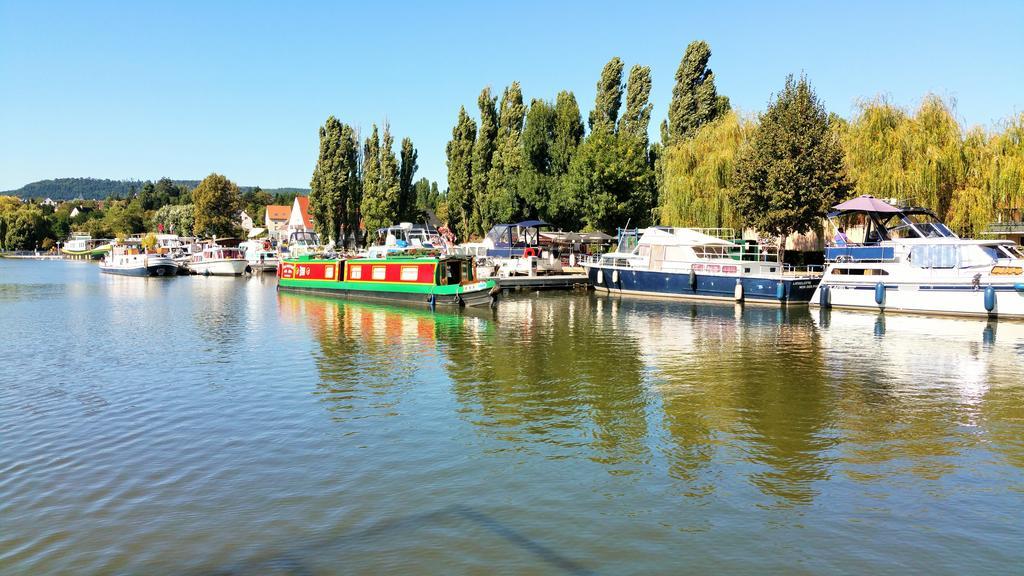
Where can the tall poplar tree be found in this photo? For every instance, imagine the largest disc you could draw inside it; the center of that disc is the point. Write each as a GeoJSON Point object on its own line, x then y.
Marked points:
{"type": "Point", "coordinates": [483, 152]}
{"type": "Point", "coordinates": [609, 97]}
{"type": "Point", "coordinates": [502, 202]}
{"type": "Point", "coordinates": [335, 180]}
{"type": "Point", "coordinates": [381, 207]}
{"type": "Point", "coordinates": [695, 101]}
{"type": "Point", "coordinates": [568, 132]}
{"type": "Point", "coordinates": [638, 107]}
{"type": "Point", "coordinates": [536, 182]}
{"type": "Point", "coordinates": [371, 177]}
{"type": "Point", "coordinates": [407, 210]}
{"type": "Point", "coordinates": [460, 175]}
{"type": "Point", "coordinates": [792, 170]}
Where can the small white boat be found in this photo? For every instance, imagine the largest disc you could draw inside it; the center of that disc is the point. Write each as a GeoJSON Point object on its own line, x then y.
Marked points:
{"type": "Point", "coordinates": [219, 261]}
{"type": "Point", "coordinates": [514, 250]}
{"type": "Point", "coordinates": [406, 237]}
{"type": "Point", "coordinates": [132, 260]}
{"type": "Point", "coordinates": [260, 255]}
{"type": "Point", "coordinates": [905, 259]}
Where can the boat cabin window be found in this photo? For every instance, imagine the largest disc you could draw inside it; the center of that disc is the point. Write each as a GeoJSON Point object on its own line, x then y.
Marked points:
{"type": "Point", "coordinates": [1007, 251]}
{"type": "Point", "coordinates": [934, 256]}
{"type": "Point", "coordinates": [860, 272]}
{"type": "Point", "coordinates": [454, 271]}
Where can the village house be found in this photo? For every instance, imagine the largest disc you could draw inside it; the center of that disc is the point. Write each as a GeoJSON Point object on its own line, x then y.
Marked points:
{"type": "Point", "coordinates": [276, 220]}
{"type": "Point", "coordinates": [299, 220]}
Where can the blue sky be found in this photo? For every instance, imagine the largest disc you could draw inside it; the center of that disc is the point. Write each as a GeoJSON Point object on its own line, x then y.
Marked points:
{"type": "Point", "coordinates": [182, 89]}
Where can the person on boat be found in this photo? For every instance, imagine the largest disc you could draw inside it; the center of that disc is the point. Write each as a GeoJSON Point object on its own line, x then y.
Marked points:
{"type": "Point", "coordinates": [841, 238]}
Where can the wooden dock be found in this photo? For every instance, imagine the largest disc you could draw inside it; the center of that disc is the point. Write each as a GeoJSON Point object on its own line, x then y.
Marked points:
{"type": "Point", "coordinates": [553, 282]}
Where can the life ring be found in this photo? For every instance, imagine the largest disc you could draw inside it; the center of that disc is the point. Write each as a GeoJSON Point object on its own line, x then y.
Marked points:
{"type": "Point", "coordinates": [529, 252]}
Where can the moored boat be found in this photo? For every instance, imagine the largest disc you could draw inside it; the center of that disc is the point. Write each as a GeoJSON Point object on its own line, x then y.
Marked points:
{"type": "Point", "coordinates": [218, 260]}
{"type": "Point", "coordinates": [260, 255]}
{"type": "Point", "coordinates": [699, 264]}
{"type": "Point", "coordinates": [424, 278]}
{"type": "Point", "coordinates": [132, 260]}
{"type": "Point", "coordinates": [904, 259]}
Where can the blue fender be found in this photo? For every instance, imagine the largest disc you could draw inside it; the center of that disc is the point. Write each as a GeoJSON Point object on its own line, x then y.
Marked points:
{"type": "Point", "coordinates": [824, 296]}
{"type": "Point", "coordinates": [880, 294]}
{"type": "Point", "coordinates": [780, 290]}
{"type": "Point", "coordinates": [990, 298]}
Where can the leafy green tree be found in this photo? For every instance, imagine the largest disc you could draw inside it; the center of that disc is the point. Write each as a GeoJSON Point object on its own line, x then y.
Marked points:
{"type": "Point", "coordinates": [460, 175]}
{"type": "Point", "coordinates": [609, 183]}
{"type": "Point", "coordinates": [380, 200]}
{"type": "Point", "coordinates": [568, 132]}
{"type": "Point", "coordinates": [637, 118]}
{"type": "Point", "coordinates": [483, 154]}
{"type": "Point", "coordinates": [695, 100]}
{"type": "Point", "coordinates": [335, 181]}
{"type": "Point", "coordinates": [501, 202]}
{"type": "Point", "coordinates": [792, 170]}
{"type": "Point", "coordinates": [371, 175]}
{"type": "Point", "coordinates": [177, 219]}
{"type": "Point", "coordinates": [427, 195]}
{"type": "Point", "coordinates": [609, 97]}
{"type": "Point", "coordinates": [217, 203]}
{"type": "Point", "coordinates": [25, 228]}
{"type": "Point", "coordinates": [407, 211]}
{"type": "Point", "coordinates": [536, 182]}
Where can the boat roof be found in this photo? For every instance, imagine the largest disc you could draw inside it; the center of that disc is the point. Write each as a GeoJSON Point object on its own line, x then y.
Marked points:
{"type": "Point", "coordinates": [679, 237]}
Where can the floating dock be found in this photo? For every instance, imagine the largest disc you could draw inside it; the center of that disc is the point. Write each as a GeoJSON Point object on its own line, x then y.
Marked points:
{"type": "Point", "coordinates": [550, 282]}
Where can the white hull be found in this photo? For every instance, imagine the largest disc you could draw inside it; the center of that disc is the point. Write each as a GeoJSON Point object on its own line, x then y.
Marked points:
{"type": "Point", "coordinates": [951, 300]}
{"type": "Point", "coordinates": [228, 267]}
{"type": "Point", "coordinates": [266, 265]}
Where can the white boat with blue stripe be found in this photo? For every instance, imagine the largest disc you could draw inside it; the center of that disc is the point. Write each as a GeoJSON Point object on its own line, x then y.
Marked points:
{"type": "Point", "coordinates": [700, 264]}
{"type": "Point", "coordinates": [905, 259]}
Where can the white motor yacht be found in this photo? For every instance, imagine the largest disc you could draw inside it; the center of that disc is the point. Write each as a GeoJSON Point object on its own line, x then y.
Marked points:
{"type": "Point", "coordinates": [906, 260]}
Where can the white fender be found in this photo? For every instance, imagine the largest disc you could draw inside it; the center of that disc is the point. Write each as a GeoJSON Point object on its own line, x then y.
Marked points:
{"type": "Point", "coordinates": [600, 277]}
{"type": "Point", "coordinates": [615, 276]}
{"type": "Point", "coordinates": [738, 292]}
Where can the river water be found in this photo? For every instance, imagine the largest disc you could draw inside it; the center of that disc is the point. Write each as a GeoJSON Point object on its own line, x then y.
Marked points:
{"type": "Point", "coordinates": [215, 426]}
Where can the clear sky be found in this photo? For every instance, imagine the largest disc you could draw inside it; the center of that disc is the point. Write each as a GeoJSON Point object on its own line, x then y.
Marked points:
{"type": "Point", "coordinates": [181, 89]}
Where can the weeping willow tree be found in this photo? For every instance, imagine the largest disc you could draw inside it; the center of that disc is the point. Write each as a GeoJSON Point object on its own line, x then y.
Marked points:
{"type": "Point", "coordinates": [696, 175]}
{"type": "Point", "coordinates": [916, 159]}
{"type": "Point", "coordinates": [1005, 169]}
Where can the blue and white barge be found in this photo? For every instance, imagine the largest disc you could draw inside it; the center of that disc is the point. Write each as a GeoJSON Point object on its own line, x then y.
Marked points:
{"type": "Point", "coordinates": [700, 264]}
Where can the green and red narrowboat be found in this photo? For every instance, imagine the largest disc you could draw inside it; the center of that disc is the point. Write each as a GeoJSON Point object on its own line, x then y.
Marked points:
{"type": "Point", "coordinates": [422, 279]}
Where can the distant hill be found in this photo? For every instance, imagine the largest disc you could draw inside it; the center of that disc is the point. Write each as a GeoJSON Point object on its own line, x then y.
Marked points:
{"type": "Point", "coordinates": [97, 188]}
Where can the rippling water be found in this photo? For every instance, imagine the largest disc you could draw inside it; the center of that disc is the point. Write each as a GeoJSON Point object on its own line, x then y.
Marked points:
{"type": "Point", "coordinates": [214, 426]}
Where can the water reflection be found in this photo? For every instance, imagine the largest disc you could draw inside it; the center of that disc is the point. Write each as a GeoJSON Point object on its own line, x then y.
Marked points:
{"type": "Point", "coordinates": [695, 393]}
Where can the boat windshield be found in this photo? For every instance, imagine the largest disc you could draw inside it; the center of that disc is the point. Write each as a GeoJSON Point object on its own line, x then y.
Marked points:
{"type": "Point", "coordinates": [916, 224]}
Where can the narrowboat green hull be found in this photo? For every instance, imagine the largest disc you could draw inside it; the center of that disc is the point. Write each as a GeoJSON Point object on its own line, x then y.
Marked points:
{"type": "Point", "coordinates": [406, 280]}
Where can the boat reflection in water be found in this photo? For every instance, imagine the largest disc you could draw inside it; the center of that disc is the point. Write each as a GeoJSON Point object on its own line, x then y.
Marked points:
{"type": "Point", "coordinates": [787, 400]}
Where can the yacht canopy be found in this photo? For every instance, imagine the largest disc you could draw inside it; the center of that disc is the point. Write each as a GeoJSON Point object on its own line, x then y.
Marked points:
{"type": "Point", "coordinates": [680, 237]}
{"type": "Point", "coordinates": [866, 203]}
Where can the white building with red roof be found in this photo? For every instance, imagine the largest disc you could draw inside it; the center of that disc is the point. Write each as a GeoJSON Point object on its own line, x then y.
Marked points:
{"type": "Point", "coordinates": [299, 220]}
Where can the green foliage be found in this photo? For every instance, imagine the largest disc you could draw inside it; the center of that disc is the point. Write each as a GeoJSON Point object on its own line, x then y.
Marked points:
{"type": "Point", "coordinates": [335, 187]}
{"type": "Point", "coordinates": [501, 202]}
{"type": "Point", "coordinates": [536, 183]}
{"type": "Point", "coordinates": [568, 132]}
{"type": "Point", "coordinates": [697, 175]}
{"type": "Point", "coordinates": [380, 181]}
{"type": "Point", "coordinates": [459, 200]}
{"type": "Point", "coordinates": [149, 241]}
{"type": "Point", "coordinates": [217, 204]}
{"type": "Point", "coordinates": [609, 97]}
{"type": "Point", "coordinates": [178, 219]}
{"type": "Point", "coordinates": [22, 226]}
{"type": "Point", "coordinates": [695, 100]}
{"type": "Point", "coordinates": [791, 171]}
{"type": "Point", "coordinates": [483, 154]}
{"type": "Point", "coordinates": [407, 211]}
{"type": "Point", "coordinates": [609, 182]}
{"type": "Point", "coordinates": [427, 196]}
{"type": "Point", "coordinates": [637, 118]}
